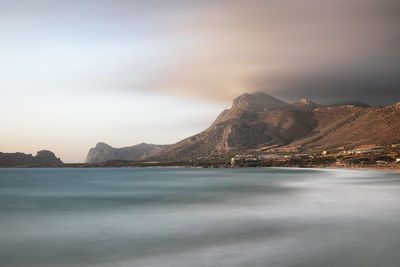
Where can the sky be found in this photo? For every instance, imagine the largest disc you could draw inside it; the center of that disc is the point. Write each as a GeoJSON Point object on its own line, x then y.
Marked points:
{"type": "Point", "coordinates": [74, 73]}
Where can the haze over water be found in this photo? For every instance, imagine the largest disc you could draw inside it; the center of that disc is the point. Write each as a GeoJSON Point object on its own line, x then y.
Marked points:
{"type": "Point", "coordinates": [199, 217]}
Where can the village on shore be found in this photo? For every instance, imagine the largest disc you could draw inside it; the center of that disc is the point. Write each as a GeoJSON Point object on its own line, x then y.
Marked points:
{"type": "Point", "coordinates": [372, 157]}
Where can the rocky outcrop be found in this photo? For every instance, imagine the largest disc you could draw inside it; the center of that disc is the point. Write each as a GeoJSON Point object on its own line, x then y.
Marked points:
{"type": "Point", "coordinates": [305, 104]}
{"type": "Point", "coordinates": [44, 158]}
{"type": "Point", "coordinates": [103, 152]}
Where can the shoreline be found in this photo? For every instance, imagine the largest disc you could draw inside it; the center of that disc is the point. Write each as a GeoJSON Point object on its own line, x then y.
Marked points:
{"type": "Point", "coordinates": [365, 168]}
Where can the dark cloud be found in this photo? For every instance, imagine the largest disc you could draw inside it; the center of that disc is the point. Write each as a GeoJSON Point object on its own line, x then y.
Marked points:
{"type": "Point", "coordinates": [330, 51]}
{"type": "Point", "coordinates": [376, 83]}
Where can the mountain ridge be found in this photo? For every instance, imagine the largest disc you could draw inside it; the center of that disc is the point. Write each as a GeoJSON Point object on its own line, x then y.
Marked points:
{"type": "Point", "coordinates": [301, 126]}
{"type": "Point", "coordinates": [257, 122]}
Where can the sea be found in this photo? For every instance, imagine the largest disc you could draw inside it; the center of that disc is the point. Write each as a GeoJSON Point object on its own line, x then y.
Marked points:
{"type": "Point", "coordinates": [176, 217]}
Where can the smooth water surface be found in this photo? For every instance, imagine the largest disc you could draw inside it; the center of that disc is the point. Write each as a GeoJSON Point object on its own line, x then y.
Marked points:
{"type": "Point", "coordinates": [199, 217]}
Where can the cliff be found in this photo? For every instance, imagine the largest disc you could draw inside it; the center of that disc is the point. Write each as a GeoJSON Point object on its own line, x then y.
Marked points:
{"type": "Point", "coordinates": [103, 152]}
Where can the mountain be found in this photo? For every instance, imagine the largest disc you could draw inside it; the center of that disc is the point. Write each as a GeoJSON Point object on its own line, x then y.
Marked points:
{"type": "Point", "coordinates": [259, 122]}
{"type": "Point", "coordinates": [253, 121]}
{"type": "Point", "coordinates": [43, 158]}
{"type": "Point", "coordinates": [257, 102]}
{"type": "Point", "coordinates": [103, 152]}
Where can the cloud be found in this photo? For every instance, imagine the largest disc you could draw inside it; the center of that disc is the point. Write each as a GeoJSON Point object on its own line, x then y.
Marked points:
{"type": "Point", "coordinates": [325, 50]}
{"type": "Point", "coordinates": [217, 49]}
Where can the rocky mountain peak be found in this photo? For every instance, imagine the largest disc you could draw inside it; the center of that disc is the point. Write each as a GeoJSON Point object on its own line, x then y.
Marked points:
{"type": "Point", "coordinates": [250, 103]}
{"type": "Point", "coordinates": [257, 101]}
{"type": "Point", "coordinates": [102, 145]}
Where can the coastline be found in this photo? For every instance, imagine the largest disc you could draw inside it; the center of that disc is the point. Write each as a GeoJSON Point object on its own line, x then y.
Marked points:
{"type": "Point", "coordinates": [391, 169]}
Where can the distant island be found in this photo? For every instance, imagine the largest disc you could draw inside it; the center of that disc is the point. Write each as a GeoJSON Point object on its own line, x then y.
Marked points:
{"type": "Point", "coordinates": [261, 130]}
{"type": "Point", "coordinates": [44, 158]}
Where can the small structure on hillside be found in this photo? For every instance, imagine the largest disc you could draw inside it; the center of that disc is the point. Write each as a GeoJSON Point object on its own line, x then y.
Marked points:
{"type": "Point", "coordinates": [240, 159]}
{"type": "Point", "coordinates": [268, 156]}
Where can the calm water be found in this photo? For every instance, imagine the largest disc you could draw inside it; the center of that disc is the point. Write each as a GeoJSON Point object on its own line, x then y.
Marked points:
{"type": "Point", "coordinates": [199, 217]}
